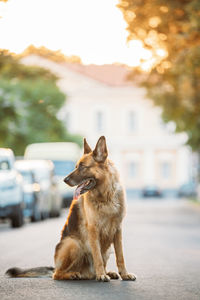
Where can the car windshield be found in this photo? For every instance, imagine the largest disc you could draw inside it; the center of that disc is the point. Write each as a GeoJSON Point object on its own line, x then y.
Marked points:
{"type": "Point", "coordinates": [63, 167]}
{"type": "Point", "coordinates": [4, 164]}
{"type": "Point", "coordinates": [42, 174]}
{"type": "Point", "coordinates": [27, 177]}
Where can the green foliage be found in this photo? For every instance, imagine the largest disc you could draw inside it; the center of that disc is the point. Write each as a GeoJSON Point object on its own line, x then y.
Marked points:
{"type": "Point", "coordinates": [29, 103]}
{"type": "Point", "coordinates": [56, 56]}
{"type": "Point", "coordinates": [10, 67]}
{"type": "Point", "coordinates": [174, 81]}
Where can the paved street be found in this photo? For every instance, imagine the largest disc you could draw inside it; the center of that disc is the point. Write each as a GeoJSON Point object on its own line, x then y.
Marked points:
{"type": "Point", "coordinates": [161, 245]}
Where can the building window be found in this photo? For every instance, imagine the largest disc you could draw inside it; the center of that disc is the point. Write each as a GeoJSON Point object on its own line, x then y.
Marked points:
{"type": "Point", "coordinates": [131, 121]}
{"type": "Point", "coordinates": [132, 169]}
{"type": "Point", "coordinates": [165, 170]}
{"type": "Point", "coordinates": [99, 121]}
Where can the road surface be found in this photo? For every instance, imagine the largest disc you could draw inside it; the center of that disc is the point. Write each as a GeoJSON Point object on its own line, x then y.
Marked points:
{"type": "Point", "coordinates": [161, 245]}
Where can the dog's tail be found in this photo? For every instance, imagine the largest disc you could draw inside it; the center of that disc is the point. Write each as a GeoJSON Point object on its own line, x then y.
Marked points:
{"type": "Point", "coordinates": [33, 272]}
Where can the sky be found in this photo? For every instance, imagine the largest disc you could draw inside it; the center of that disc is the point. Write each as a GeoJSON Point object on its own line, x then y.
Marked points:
{"type": "Point", "coordinates": [94, 30]}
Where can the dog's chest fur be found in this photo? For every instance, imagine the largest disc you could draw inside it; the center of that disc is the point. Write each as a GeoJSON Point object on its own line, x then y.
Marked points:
{"type": "Point", "coordinates": [104, 214]}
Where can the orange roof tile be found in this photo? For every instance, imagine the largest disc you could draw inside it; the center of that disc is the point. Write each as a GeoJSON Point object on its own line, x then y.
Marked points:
{"type": "Point", "coordinates": [114, 75]}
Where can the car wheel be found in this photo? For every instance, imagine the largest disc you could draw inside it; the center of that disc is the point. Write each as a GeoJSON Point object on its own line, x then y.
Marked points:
{"type": "Point", "coordinates": [44, 215]}
{"type": "Point", "coordinates": [55, 214]}
{"type": "Point", "coordinates": [52, 214]}
{"type": "Point", "coordinates": [36, 216]}
{"type": "Point", "coordinates": [17, 220]}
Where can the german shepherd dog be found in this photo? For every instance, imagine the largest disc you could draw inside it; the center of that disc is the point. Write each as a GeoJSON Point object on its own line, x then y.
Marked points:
{"type": "Point", "coordinates": [93, 224]}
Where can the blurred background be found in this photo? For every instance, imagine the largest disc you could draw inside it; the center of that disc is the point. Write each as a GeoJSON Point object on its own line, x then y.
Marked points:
{"type": "Point", "coordinates": [128, 70]}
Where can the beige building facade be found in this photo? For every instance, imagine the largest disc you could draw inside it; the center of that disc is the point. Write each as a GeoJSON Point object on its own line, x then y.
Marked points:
{"type": "Point", "coordinates": [100, 101]}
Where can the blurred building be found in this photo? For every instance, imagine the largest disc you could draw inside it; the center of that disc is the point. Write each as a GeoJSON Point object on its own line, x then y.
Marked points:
{"type": "Point", "coordinates": [101, 101]}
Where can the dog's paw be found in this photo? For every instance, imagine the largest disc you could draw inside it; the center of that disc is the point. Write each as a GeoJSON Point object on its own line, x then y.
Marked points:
{"type": "Point", "coordinates": [113, 275]}
{"type": "Point", "coordinates": [128, 276]}
{"type": "Point", "coordinates": [67, 276]}
{"type": "Point", "coordinates": [104, 278]}
{"type": "Point", "coordinates": [75, 276]}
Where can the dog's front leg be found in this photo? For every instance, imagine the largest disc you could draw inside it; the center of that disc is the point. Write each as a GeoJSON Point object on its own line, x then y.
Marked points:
{"type": "Point", "coordinates": [96, 254]}
{"type": "Point", "coordinates": [120, 257]}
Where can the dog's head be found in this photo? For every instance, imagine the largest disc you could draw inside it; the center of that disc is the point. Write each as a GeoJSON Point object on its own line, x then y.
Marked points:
{"type": "Point", "coordinates": [89, 169]}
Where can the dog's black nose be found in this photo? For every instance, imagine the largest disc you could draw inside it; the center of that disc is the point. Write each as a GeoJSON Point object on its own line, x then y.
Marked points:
{"type": "Point", "coordinates": [66, 179]}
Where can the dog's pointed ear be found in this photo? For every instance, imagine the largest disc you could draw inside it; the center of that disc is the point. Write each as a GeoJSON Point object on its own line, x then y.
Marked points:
{"type": "Point", "coordinates": [100, 152]}
{"type": "Point", "coordinates": [87, 148]}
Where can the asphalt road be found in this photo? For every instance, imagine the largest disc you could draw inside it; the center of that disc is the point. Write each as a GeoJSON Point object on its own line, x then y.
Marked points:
{"type": "Point", "coordinates": [161, 245]}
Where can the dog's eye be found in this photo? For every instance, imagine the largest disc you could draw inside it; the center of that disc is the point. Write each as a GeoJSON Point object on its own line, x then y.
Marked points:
{"type": "Point", "coordinates": [81, 166]}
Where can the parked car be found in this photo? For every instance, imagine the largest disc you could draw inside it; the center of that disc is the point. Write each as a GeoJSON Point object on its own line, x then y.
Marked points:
{"type": "Point", "coordinates": [11, 189]}
{"type": "Point", "coordinates": [151, 191]}
{"type": "Point", "coordinates": [187, 190]}
{"type": "Point", "coordinates": [32, 193]}
{"type": "Point", "coordinates": [64, 156]}
{"type": "Point", "coordinates": [43, 171]}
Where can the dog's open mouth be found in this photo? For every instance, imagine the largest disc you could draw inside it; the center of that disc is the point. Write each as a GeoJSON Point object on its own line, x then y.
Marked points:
{"type": "Point", "coordinates": [84, 187]}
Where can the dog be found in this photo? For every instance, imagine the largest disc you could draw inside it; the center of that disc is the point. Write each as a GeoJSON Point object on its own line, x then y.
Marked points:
{"type": "Point", "coordinates": [94, 223]}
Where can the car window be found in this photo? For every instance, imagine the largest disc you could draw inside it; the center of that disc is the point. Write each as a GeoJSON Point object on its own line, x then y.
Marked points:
{"type": "Point", "coordinates": [27, 177]}
{"type": "Point", "coordinates": [4, 164]}
{"type": "Point", "coordinates": [63, 167]}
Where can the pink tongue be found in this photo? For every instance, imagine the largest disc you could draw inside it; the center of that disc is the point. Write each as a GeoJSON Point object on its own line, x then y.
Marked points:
{"type": "Point", "coordinates": [77, 192]}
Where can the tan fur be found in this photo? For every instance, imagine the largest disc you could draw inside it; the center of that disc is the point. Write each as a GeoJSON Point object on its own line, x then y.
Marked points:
{"type": "Point", "coordinates": [94, 222]}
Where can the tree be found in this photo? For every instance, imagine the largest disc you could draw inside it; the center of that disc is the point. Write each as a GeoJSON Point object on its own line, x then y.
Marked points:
{"type": "Point", "coordinates": [56, 56]}
{"type": "Point", "coordinates": [29, 102]}
{"type": "Point", "coordinates": [171, 31]}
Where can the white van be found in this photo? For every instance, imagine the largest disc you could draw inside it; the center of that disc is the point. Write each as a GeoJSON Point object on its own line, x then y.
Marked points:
{"type": "Point", "coordinates": [64, 156]}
